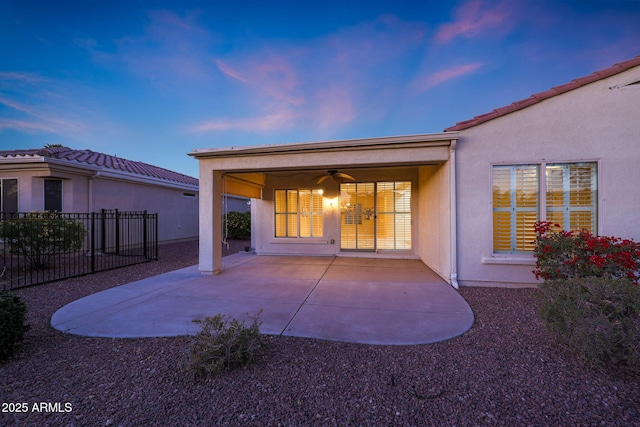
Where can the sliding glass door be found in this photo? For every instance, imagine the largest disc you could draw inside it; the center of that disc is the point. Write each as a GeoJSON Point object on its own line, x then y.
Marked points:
{"type": "Point", "coordinates": [375, 216]}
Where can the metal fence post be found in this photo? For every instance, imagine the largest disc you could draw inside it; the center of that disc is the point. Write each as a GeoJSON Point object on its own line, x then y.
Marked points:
{"type": "Point", "coordinates": [93, 242]}
{"type": "Point", "coordinates": [145, 238]}
{"type": "Point", "coordinates": [117, 232]}
{"type": "Point", "coordinates": [103, 227]}
{"type": "Point", "coordinates": [155, 237]}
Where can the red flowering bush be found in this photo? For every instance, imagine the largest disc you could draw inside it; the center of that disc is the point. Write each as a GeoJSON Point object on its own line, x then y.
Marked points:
{"type": "Point", "coordinates": [567, 254]}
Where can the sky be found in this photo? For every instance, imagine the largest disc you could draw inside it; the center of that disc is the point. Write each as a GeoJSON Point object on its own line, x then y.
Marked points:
{"type": "Point", "coordinates": [152, 80]}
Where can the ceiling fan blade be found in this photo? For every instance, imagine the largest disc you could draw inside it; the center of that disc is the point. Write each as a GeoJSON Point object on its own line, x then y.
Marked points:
{"type": "Point", "coordinates": [320, 179]}
{"type": "Point", "coordinates": [345, 176]}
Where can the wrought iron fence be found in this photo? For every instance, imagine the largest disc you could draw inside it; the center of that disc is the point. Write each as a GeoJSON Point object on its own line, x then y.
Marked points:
{"type": "Point", "coordinates": [40, 247]}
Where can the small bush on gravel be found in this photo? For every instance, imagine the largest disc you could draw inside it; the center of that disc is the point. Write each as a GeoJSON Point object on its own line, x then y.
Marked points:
{"type": "Point", "coordinates": [596, 317]}
{"type": "Point", "coordinates": [224, 343]}
{"type": "Point", "coordinates": [12, 323]}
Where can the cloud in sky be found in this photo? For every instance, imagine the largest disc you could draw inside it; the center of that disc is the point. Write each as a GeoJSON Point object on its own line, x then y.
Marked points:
{"type": "Point", "coordinates": [40, 105]}
{"type": "Point", "coordinates": [321, 83]}
{"type": "Point", "coordinates": [434, 79]}
{"type": "Point", "coordinates": [281, 120]}
{"type": "Point", "coordinates": [473, 18]}
{"type": "Point", "coordinates": [171, 52]}
{"type": "Point", "coordinates": [20, 77]}
{"type": "Point", "coordinates": [32, 114]}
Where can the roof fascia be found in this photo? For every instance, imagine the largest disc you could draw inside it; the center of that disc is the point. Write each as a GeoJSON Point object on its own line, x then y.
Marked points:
{"type": "Point", "coordinates": [393, 142]}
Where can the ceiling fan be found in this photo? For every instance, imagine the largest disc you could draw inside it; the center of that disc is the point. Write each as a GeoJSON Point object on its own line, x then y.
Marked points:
{"type": "Point", "coordinates": [333, 173]}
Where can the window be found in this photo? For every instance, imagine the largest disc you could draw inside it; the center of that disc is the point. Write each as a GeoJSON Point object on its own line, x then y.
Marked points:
{"type": "Point", "coordinates": [567, 195]}
{"type": "Point", "coordinates": [53, 195]}
{"type": "Point", "coordinates": [298, 213]}
{"type": "Point", "coordinates": [8, 196]}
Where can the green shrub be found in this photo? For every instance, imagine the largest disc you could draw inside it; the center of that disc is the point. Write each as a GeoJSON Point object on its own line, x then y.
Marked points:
{"type": "Point", "coordinates": [237, 224]}
{"type": "Point", "coordinates": [12, 323]}
{"type": "Point", "coordinates": [223, 344]}
{"type": "Point", "coordinates": [38, 236]}
{"type": "Point", "coordinates": [596, 317]}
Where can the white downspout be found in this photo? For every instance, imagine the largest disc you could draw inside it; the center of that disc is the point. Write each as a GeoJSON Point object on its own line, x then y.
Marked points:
{"type": "Point", "coordinates": [454, 215]}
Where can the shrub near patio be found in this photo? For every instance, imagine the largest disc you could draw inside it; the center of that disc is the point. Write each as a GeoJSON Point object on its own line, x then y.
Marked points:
{"type": "Point", "coordinates": [590, 295]}
{"type": "Point", "coordinates": [237, 225]}
{"type": "Point", "coordinates": [224, 344]}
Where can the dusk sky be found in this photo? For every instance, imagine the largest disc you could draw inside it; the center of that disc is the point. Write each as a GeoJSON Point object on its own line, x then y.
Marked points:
{"type": "Point", "coordinates": [152, 80]}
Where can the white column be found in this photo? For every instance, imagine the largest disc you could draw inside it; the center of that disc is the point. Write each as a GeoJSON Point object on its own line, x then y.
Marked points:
{"type": "Point", "coordinates": [210, 220]}
{"type": "Point", "coordinates": [216, 217]}
{"type": "Point", "coordinates": [205, 206]}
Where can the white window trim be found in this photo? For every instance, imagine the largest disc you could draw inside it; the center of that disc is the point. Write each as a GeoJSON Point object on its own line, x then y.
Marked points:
{"type": "Point", "coordinates": [529, 259]}
{"type": "Point", "coordinates": [298, 238]}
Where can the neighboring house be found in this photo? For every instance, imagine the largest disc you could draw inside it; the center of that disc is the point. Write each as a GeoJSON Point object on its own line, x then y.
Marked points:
{"type": "Point", "coordinates": [77, 181]}
{"type": "Point", "coordinates": [463, 201]}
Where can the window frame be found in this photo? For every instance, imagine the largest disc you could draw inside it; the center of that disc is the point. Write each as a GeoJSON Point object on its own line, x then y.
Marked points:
{"type": "Point", "coordinates": [2, 195]}
{"type": "Point", "coordinates": [44, 194]}
{"type": "Point", "coordinates": [542, 195]}
{"type": "Point", "coordinates": [299, 213]}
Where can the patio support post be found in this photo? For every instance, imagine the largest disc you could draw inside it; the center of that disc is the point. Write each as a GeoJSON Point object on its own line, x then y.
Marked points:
{"type": "Point", "coordinates": [210, 220]}
{"type": "Point", "coordinates": [216, 228]}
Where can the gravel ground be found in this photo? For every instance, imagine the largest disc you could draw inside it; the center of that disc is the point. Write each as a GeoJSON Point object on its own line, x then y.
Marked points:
{"type": "Point", "coordinates": [505, 370]}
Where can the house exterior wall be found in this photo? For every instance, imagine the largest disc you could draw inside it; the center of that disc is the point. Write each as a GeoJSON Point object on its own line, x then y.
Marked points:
{"type": "Point", "coordinates": [433, 219]}
{"type": "Point", "coordinates": [177, 213]}
{"type": "Point", "coordinates": [31, 186]}
{"type": "Point", "coordinates": [83, 191]}
{"type": "Point", "coordinates": [266, 243]}
{"type": "Point", "coordinates": [329, 243]}
{"type": "Point", "coordinates": [594, 123]}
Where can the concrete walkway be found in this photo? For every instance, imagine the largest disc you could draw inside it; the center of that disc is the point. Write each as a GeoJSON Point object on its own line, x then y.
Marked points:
{"type": "Point", "coordinates": [364, 300]}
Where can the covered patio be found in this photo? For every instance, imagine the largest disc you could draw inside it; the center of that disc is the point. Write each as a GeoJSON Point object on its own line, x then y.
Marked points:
{"type": "Point", "coordinates": [390, 197]}
{"type": "Point", "coordinates": [363, 300]}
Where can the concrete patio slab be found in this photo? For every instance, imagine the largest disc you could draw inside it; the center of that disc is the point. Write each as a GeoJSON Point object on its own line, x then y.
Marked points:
{"type": "Point", "coordinates": [364, 300]}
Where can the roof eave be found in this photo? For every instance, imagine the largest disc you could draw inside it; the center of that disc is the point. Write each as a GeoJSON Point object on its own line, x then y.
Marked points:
{"type": "Point", "coordinates": [337, 145]}
{"type": "Point", "coordinates": [100, 171]}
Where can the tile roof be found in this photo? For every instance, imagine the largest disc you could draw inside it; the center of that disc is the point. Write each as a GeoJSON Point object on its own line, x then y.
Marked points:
{"type": "Point", "coordinates": [541, 96]}
{"type": "Point", "coordinates": [105, 161]}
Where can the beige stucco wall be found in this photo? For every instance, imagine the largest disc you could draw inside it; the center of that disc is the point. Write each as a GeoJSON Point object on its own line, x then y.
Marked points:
{"type": "Point", "coordinates": [85, 192]}
{"type": "Point", "coordinates": [329, 243]}
{"type": "Point", "coordinates": [593, 123]}
{"type": "Point", "coordinates": [433, 218]}
{"type": "Point", "coordinates": [177, 213]}
{"type": "Point", "coordinates": [31, 186]}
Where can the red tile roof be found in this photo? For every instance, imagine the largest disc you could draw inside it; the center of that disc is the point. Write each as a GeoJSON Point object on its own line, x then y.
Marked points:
{"type": "Point", "coordinates": [538, 97]}
{"type": "Point", "coordinates": [104, 161]}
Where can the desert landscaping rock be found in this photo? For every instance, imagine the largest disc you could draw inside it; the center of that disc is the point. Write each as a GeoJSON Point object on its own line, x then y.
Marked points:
{"type": "Point", "coordinates": [506, 370]}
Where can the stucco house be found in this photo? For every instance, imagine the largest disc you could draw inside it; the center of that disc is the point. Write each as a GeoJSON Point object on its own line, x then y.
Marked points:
{"type": "Point", "coordinates": [77, 181]}
{"type": "Point", "coordinates": [463, 201]}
